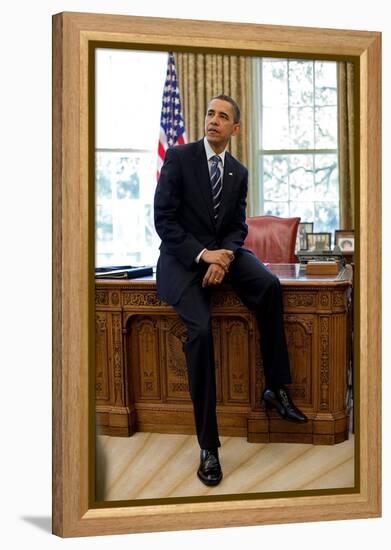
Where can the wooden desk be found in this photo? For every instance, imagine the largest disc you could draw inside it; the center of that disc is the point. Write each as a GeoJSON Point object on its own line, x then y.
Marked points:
{"type": "Point", "coordinates": [141, 376]}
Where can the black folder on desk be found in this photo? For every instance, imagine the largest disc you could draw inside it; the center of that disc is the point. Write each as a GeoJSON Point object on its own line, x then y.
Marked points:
{"type": "Point", "coordinates": [123, 272]}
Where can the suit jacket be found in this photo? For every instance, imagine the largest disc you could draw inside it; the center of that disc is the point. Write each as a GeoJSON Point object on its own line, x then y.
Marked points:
{"type": "Point", "coordinates": [183, 213]}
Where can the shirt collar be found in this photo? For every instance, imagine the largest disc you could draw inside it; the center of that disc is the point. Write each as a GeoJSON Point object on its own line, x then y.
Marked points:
{"type": "Point", "coordinates": [210, 153]}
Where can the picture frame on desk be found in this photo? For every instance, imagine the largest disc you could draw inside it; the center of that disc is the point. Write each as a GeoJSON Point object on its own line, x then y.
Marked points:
{"type": "Point", "coordinates": [76, 511]}
{"type": "Point", "coordinates": [344, 238]}
{"type": "Point", "coordinates": [318, 241]}
{"type": "Point", "coordinates": [304, 228]}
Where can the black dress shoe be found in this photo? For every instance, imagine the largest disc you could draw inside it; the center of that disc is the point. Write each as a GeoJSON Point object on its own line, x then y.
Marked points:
{"type": "Point", "coordinates": [209, 471]}
{"type": "Point", "coordinates": [280, 400]}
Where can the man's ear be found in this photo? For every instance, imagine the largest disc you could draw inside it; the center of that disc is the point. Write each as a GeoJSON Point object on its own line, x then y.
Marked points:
{"type": "Point", "coordinates": [236, 129]}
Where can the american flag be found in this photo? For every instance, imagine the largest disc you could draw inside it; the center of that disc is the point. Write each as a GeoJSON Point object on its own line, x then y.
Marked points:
{"type": "Point", "coordinates": [172, 128]}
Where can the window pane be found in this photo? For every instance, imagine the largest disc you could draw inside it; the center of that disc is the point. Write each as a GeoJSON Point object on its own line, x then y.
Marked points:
{"type": "Point", "coordinates": [275, 178]}
{"type": "Point", "coordinates": [325, 83]}
{"type": "Point", "coordinates": [275, 76]}
{"type": "Point", "coordinates": [326, 177]}
{"type": "Point", "coordinates": [125, 186]}
{"type": "Point", "coordinates": [301, 177]}
{"type": "Point", "coordinates": [275, 133]}
{"type": "Point", "coordinates": [301, 83]}
{"type": "Point", "coordinates": [326, 136]}
{"type": "Point", "coordinates": [301, 124]}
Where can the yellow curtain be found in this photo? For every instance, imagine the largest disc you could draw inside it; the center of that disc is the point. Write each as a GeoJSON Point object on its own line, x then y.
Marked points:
{"type": "Point", "coordinates": [202, 76]}
{"type": "Point", "coordinates": [346, 128]}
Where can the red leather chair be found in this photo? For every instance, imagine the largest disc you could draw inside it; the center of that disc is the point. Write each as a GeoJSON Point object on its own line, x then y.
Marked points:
{"type": "Point", "coordinates": [272, 239]}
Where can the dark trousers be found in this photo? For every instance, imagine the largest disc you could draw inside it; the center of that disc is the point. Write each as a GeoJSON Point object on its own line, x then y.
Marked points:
{"type": "Point", "coordinates": [260, 290]}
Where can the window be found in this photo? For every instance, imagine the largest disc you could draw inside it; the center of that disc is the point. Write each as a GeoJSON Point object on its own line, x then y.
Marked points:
{"type": "Point", "coordinates": [129, 86]}
{"type": "Point", "coordinates": [298, 140]}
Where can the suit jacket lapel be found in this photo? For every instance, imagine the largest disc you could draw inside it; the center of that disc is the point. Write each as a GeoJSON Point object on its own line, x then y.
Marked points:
{"type": "Point", "coordinates": [228, 181]}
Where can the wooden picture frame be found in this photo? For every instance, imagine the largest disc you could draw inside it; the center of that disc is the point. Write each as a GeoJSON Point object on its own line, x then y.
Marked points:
{"type": "Point", "coordinates": [75, 512]}
{"type": "Point", "coordinates": [345, 234]}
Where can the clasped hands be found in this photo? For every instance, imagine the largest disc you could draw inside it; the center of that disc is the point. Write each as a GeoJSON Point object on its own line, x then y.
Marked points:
{"type": "Point", "coordinates": [219, 261]}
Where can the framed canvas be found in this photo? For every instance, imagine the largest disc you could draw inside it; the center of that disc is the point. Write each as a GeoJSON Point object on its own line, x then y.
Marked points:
{"type": "Point", "coordinates": [76, 511]}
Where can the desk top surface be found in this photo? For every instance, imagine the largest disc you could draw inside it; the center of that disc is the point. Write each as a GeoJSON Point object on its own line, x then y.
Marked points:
{"type": "Point", "coordinates": [289, 275]}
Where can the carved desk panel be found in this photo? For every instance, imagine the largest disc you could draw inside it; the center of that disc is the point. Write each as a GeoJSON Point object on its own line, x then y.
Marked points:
{"type": "Point", "coordinates": [141, 377]}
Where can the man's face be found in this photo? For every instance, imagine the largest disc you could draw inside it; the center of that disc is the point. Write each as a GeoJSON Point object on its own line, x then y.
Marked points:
{"type": "Point", "coordinates": [219, 123]}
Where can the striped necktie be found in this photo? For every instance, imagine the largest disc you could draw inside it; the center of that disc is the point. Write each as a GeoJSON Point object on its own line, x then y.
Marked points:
{"type": "Point", "coordinates": [215, 180]}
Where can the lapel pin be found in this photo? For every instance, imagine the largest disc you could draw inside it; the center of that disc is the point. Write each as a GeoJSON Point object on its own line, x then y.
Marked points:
{"type": "Point", "coordinates": [230, 173]}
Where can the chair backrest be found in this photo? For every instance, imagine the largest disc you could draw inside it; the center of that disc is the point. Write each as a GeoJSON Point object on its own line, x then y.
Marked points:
{"type": "Point", "coordinates": [272, 239]}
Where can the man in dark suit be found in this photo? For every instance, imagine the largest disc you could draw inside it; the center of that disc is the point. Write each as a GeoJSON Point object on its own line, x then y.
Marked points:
{"type": "Point", "coordinates": [200, 213]}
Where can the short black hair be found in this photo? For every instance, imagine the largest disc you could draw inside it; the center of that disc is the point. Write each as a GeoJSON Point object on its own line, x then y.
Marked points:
{"type": "Point", "coordinates": [235, 106]}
